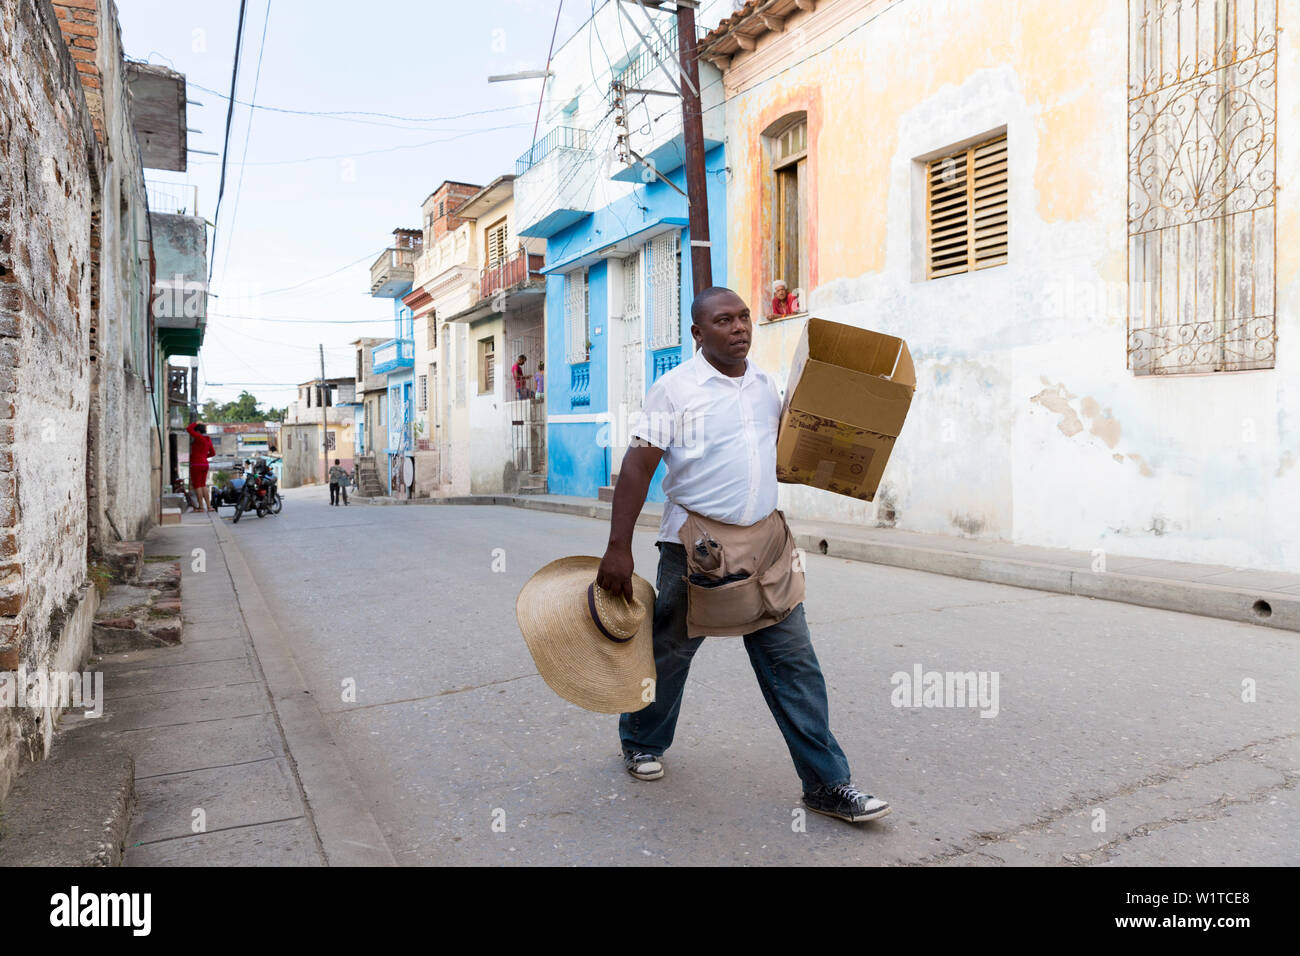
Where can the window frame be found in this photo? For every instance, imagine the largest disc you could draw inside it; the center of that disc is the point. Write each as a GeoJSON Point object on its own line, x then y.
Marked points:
{"type": "Point", "coordinates": [499, 228]}
{"type": "Point", "coordinates": [973, 181]}
{"type": "Point", "coordinates": [487, 365]}
{"type": "Point", "coordinates": [778, 167]}
{"type": "Point", "coordinates": [662, 335]}
{"type": "Point", "coordinates": [570, 327]}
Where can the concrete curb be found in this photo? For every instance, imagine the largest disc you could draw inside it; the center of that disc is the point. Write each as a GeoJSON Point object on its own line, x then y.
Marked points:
{"type": "Point", "coordinates": [1267, 608]}
{"type": "Point", "coordinates": [1275, 609]}
{"type": "Point", "coordinates": [348, 832]}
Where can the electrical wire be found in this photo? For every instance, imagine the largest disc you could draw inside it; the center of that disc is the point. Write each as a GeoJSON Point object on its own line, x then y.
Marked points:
{"type": "Point", "coordinates": [343, 114]}
{"type": "Point", "coordinates": [541, 96]}
{"type": "Point", "coordinates": [289, 288]}
{"type": "Point", "coordinates": [391, 149]}
{"type": "Point", "coordinates": [225, 149]}
{"type": "Point", "coordinates": [248, 135]}
{"type": "Point", "coordinates": [267, 318]}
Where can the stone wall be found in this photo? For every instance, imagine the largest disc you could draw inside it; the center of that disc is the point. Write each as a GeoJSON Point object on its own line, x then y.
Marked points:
{"type": "Point", "coordinates": [48, 157]}
{"type": "Point", "coordinates": [122, 482]}
{"type": "Point", "coordinates": [78, 443]}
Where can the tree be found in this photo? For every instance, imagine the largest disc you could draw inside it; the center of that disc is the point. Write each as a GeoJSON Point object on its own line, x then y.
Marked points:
{"type": "Point", "coordinates": [245, 408]}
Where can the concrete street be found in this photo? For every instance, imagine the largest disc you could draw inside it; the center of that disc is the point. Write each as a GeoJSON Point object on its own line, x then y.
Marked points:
{"type": "Point", "coordinates": [1134, 712]}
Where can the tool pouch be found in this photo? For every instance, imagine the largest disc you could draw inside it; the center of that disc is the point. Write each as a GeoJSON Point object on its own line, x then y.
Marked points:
{"type": "Point", "coordinates": [739, 579]}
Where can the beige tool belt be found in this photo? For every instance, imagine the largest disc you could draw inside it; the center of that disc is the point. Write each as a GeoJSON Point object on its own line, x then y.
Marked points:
{"type": "Point", "coordinates": [739, 578]}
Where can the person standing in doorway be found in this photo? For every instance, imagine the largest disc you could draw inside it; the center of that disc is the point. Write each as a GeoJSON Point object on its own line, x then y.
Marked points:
{"type": "Point", "coordinates": [338, 483]}
{"type": "Point", "coordinates": [520, 379]}
{"type": "Point", "coordinates": [200, 451]}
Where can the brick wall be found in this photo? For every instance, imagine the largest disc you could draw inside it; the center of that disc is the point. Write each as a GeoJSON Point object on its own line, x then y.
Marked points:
{"type": "Point", "coordinates": [47, 175]}
{"type": "Point", "coordinates": [122, 482]}
{"type": "Point", "coordinates": [76, 431]}
{"type": "Point", "coordinates": [447, 197]}
{"type": "Point", "coordinates": [79, 23]}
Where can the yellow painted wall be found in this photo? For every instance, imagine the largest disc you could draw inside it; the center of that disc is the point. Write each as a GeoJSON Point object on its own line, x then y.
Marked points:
{"type": "Point", "coordinates": [1007, 358]}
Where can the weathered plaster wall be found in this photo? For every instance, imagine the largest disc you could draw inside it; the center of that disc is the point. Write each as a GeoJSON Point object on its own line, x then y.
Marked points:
{"type": "Point", "coordinates": [124, 437]}
{"type": "Point", "coordinates": [457, 347]}
{"type": "Point", "coordinates": [489, 428]}
{"type": "Point", "coordinates": [1026, 425]}
{"type": "Point", "coordinates": [46, 192]}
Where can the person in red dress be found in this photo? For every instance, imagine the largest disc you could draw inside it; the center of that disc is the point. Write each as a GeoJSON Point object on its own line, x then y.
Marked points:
{"type": "Point", "coordinates": [200, 451]}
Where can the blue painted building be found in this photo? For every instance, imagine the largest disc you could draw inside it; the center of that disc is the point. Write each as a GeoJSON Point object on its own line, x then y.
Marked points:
{"type": "Point", "coordinates": [606, 188]}
{"type": "Point", "coordinates": [391, 276]}
{"type": "Point", "coordinates": [619, 289]}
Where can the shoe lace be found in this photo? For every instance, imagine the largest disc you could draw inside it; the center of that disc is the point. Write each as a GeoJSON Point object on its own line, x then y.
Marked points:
{"type": "Point", "coordinates": [849, 792]}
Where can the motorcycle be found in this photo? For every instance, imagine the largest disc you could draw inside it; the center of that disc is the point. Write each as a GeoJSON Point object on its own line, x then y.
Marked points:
{"type": "Point", "coordinates": [229, 493]}
{"type": "Point", "coordinates": [260, 492]}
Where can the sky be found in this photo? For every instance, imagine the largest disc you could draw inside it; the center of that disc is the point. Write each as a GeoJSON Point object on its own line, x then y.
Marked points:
{"type": "Point", "coordinates": [311, 201]}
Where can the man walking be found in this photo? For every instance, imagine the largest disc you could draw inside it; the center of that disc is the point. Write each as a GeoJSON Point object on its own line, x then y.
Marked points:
{"type": "Point", "coordinates": [338, 483]}
{"type": "Point", "coordinates": [713, 422]}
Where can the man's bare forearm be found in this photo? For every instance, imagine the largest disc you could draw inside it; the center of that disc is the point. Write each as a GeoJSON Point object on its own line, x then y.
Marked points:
{"type": "Point", "coordinates": [634, 477]}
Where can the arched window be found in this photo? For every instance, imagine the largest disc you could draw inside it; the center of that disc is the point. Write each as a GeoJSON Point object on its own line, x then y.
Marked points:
{"type": "Point", "coordinates": [787, 151]}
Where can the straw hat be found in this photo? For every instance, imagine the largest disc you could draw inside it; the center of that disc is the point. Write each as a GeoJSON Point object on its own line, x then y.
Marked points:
{"type": "Point", "coordinates": [593, 648]}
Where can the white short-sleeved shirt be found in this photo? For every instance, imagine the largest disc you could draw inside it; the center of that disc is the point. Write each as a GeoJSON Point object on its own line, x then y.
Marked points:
{"type": "Point", "coordinates": [719, 439]}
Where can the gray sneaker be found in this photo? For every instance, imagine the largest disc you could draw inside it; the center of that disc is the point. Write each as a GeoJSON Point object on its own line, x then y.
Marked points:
{"type": "Point", "coordinates": [643, 766]}
{"type": "Point", "coordinates": [846, 802]}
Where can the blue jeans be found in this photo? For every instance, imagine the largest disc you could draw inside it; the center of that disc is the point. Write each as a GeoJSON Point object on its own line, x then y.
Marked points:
{"type": "Point", "coordinates": [784, 663]}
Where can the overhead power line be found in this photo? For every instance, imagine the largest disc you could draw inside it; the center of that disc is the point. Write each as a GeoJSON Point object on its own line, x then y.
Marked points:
{"type": "Point", "coordinates": [297, 285]}
{"type": "Point", "coordinates": [345, 114]}
{"type": "Point", "coordinates": [267, 318]}
{"type": "Point", "coordinates": [248, 135]}
{"type": "Point", "coordinates": [225, 149]}
{"type": "Point", "coordinates": [542, 95]}
{"type": "Point", "coordinates": [391, 149]}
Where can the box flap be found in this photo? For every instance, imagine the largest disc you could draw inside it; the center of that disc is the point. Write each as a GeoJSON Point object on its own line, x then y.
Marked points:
{"type": "Point", "coordinates": [905, 371]}
{"type": "Point", "coordinates": [852, 398]}
{"type": "Point", "coordinates": [872, 353]}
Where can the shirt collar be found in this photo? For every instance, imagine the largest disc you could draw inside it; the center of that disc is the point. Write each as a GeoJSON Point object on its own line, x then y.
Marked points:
{"type": "Point", "coordinates": [704, 370]}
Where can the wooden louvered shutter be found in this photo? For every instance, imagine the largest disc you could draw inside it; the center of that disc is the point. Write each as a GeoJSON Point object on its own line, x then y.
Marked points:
{"type": "Point", "coordinates": [966, 210]}
{"type": "Point", "coordinates": [497, 243]}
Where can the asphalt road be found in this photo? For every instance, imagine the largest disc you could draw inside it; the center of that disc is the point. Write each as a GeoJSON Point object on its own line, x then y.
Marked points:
{"type": "Point", "coordinates": [1121, 735]}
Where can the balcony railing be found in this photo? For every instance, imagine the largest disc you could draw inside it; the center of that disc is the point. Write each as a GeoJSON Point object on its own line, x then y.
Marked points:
{"type": "Point", "coordinates": [580, 385]}
{"type": "Point", "coordinates": [178, 382]}
{"type": "Point", "coordinates": [392, 355]}
{"type": "Point", "coordinates": [555, 187]}
{"type": "Point", "coordinates": [179, 199]}
{"type": "Point", "coordinates": [653, 131]}
{"type": "Point", "coordinates": [516, 270]}
{"type": "Point", "coordinates": [562, 137]}
{"type": "Point", "coordinates": [393, 270]}
{"type": "Point", "coordinates": [646, 63]}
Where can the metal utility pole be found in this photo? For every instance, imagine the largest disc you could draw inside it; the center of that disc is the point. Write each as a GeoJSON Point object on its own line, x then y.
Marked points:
{"type": "Point", "coordinates": [324, 424]}
{"type": "Point", "coordinates": [693, 130]}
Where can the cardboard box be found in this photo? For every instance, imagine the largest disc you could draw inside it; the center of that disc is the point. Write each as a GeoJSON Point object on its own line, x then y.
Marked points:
{"type": "Point", "coordinates": [847, 396]}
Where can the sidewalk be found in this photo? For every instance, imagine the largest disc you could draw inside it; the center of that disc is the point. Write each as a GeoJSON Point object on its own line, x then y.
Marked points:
{"type": "Point", "coordinates": [233, 763]}
{"type": "Point", "coordinates": [1269, 598]}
